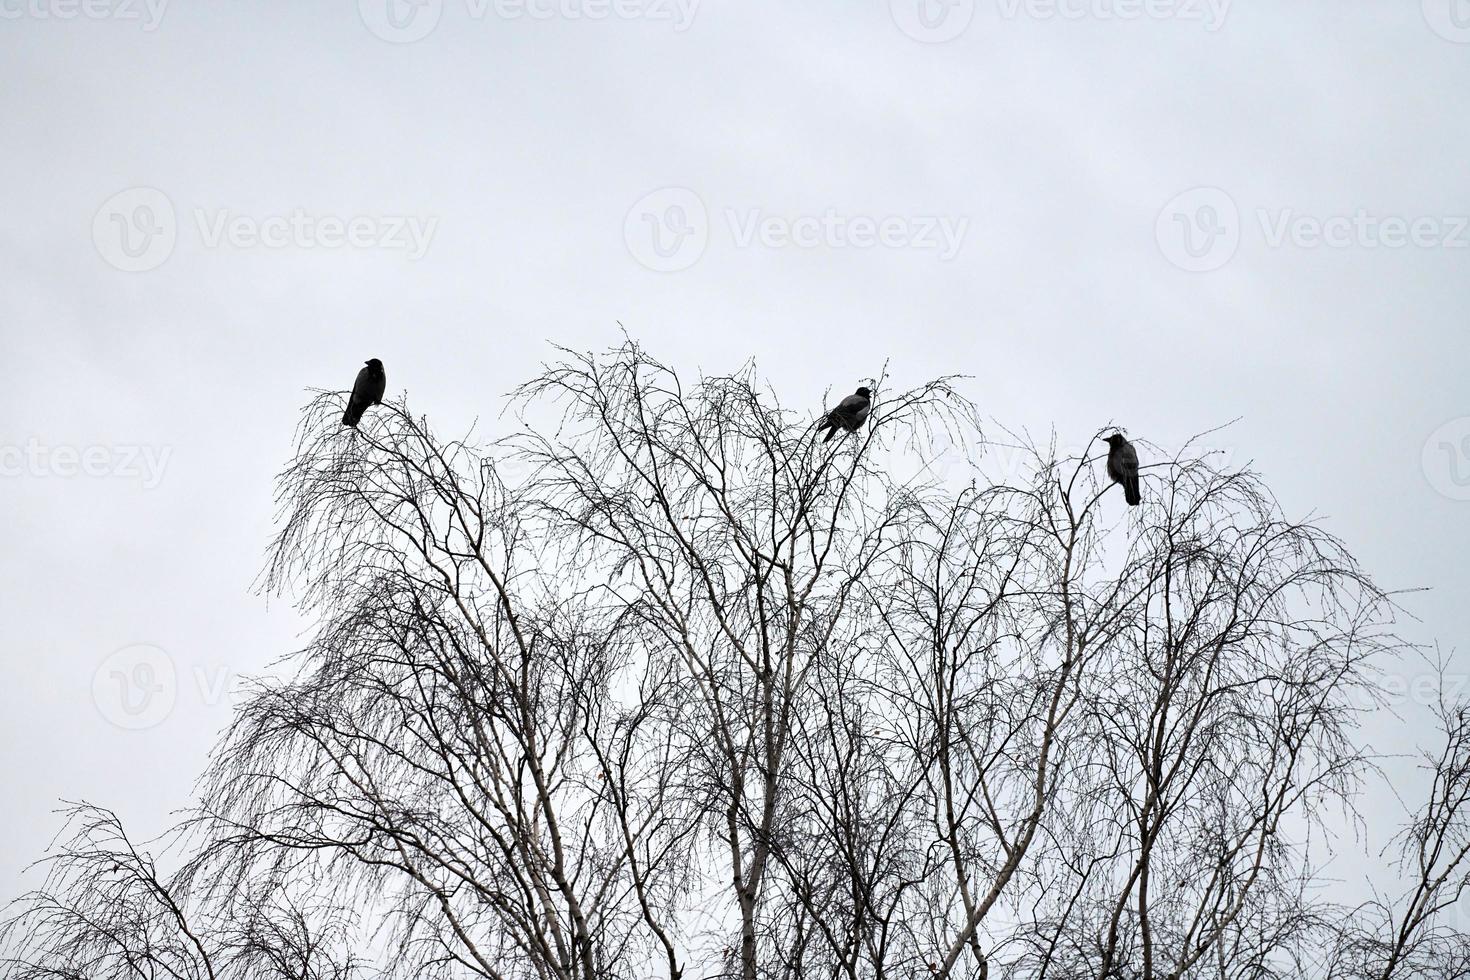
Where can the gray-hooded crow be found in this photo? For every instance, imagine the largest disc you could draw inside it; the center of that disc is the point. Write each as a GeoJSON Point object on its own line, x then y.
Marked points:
{"type": "Point", "coordinates": [1123, 467]}
{"type": "Point", "coordinates": [366, 390]}
{"type": "Point", "coordinates": [850, 413]}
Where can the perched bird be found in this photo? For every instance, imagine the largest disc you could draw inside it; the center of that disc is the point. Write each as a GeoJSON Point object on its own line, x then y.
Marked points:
{"type": "Point", "coordinates": [1123, 467]}
{"type": "Point", "coordinates": [366, 390]}
{"type": "Point", "coordinates": [850, 413]}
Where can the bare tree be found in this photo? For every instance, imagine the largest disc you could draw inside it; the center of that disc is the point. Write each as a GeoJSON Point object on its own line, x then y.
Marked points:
{"type": "Point", "coordinates": [1415, 933]}
{"type": "Point", "coordinates": [662, 686]}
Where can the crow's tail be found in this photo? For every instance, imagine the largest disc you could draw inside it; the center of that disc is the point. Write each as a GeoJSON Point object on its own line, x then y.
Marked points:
{"type": "Point", "coordinates": [1130, 491]}
{"type": "Point", "coordinates": [350, 417]}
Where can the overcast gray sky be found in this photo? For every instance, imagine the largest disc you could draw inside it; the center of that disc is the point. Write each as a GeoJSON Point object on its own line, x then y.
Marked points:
{"type": "Point", "coordinates": [1166, 213]}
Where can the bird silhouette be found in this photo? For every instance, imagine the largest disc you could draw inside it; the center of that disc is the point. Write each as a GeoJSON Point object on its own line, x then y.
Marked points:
{"type": "Point", "coordinates": [850, 413]}
{"type": "Point", "coordinates": [1123, 467]}
{"type": "Point", "coordinates": [367, 390]}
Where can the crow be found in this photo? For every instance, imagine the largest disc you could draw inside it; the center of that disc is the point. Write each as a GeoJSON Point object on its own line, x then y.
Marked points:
{"type": "Point", "coordinates": [850, 413]}
{"type": "Point", "coordinates": [1123, 467]}
{"type": "Point", "coordinates": [366, 390]}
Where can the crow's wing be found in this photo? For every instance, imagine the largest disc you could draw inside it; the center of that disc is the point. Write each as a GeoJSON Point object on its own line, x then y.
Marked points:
{"type": "Point", "coordinates": [1122, 462]}
{"type": "Point", "coordinates": [377, 385]}
{"type": "Point", "coordinates": [362, 388]}
{"type": "Point", "coordinates": [361, 396]}
{"type": "Point", "coordinates": [1123, 468]}
{"type": "Point", "coordinates": [1129, 464]}
{"type": "Point", "coordinates": [1128, 459]}
{"type": "Point", "coordinates": [850, 412]}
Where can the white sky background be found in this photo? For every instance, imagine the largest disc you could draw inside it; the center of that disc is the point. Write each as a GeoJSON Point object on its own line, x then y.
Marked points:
{"type": "Point", "coordinates": [1060, 142]}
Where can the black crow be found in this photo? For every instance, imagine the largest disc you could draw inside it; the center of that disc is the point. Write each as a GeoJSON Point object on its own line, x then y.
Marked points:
{"type": "Point", "coordinates": [1123, 467]}
{"type": "Point", "coordinates": [366, 390]}
{"type": "Point", "coordinates": [850, 413]}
